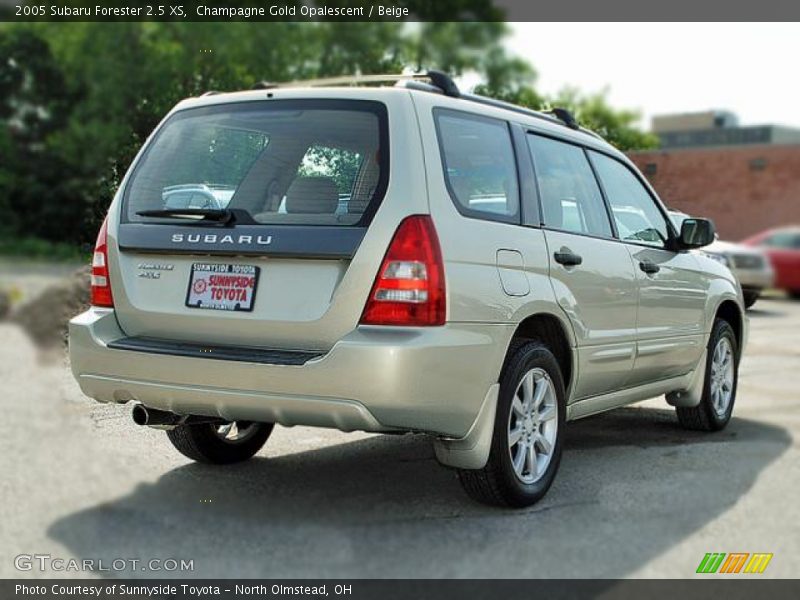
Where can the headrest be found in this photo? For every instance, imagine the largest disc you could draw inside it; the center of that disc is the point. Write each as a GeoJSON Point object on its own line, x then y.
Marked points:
{"type": "Point", "coordinates": [312, 195]}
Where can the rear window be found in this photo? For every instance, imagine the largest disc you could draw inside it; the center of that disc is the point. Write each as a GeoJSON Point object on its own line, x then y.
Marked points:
{"type": "Point", "coordinates": [286, 162]}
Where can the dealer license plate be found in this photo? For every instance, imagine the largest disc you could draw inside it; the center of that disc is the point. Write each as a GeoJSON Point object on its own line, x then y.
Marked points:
{"type": "Point", "coordinates": [222, 287]}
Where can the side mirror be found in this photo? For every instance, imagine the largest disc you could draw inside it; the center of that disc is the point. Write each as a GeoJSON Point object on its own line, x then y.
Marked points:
{"type": "Point", "coordinates": [696, 233]}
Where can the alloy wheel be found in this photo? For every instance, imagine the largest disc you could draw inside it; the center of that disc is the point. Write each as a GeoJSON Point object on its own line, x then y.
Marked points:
{"type": "Point", "coordinates": [236, 432]}
{"type": "Point", "coordinates": [533, 425]}
{"type": "Point", "coordinates": [722, 375]}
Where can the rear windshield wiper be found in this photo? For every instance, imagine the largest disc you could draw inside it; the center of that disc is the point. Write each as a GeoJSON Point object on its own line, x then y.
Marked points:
{"type": "Point", "coordinates": [220, 216]}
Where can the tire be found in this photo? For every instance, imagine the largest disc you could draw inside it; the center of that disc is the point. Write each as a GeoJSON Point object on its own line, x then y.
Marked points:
{"type": "Point", "coordinates": [206, 444]}
{"type": "Point", "coordinates": [498, 483]}
{"type": "Point", "coordinates": [794, 294]}
{"type": "Point", "coordinates": [750, 297]}
{"type": "Point", "coordinates": [712, 414]}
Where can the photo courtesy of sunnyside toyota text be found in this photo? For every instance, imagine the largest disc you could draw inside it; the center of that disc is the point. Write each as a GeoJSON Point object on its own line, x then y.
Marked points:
{"type": "Point", "coordinates": [399, 300]}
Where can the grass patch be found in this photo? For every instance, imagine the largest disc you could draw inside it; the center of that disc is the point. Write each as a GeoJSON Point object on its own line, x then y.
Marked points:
{"type": "Point", "coordinates": [38, 249]}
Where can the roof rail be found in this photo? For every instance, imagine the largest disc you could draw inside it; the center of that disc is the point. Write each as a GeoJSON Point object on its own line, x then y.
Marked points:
{"type": "Point", "coordinates": [439, 82]}
{"type": "Point", "coordinates": [437, 78]}
{"type": "Point", "coordinates": [566, 117]}
{"type": "Point", "coordinates": [444, 82]}
{"type": "Point", "coordinates": [512, 107]}
{"type": "Point", "coordinates": [557, 115]}
{"type": "Point", "coordinates": [563, 115]}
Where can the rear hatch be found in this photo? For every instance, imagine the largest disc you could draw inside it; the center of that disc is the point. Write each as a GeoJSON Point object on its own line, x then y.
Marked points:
{"type": "Point", "coordinates": [240, 222]}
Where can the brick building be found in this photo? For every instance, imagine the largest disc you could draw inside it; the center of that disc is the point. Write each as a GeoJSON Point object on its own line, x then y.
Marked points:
{"type": "Point", "coordinates": [744, 178]}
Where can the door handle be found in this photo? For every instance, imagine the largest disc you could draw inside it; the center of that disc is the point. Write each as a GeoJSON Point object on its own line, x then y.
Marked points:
{"type": "Point", "coordinates": [567, 258]}
{"type": "Point", "coordinates": [649, 267]}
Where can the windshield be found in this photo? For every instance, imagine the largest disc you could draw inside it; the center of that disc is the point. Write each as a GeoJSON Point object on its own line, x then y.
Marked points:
{"type": "Point", "coordinates": [282, 162]}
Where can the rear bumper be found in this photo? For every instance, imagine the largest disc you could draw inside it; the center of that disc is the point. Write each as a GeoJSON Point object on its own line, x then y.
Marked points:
{"type": "Point", "coordinates": [374, 379]}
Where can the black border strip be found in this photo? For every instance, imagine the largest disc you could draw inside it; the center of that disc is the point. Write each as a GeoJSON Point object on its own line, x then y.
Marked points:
{"type": "Point", "coordinates": [266, 356]}
{"type": "Point", "coordinates": [430, 12]}
{"type": "Point", "coordinates": [701, 587]}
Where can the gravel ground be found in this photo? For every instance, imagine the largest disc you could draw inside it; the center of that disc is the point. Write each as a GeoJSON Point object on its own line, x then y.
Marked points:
{"type": "Point", "coordinates": [636, 496]}
{"type": "Point", "coordinates": [26, 279]}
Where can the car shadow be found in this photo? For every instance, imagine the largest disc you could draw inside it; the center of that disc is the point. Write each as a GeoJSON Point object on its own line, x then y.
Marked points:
{"type": "Point", "coordinates": [632, 485]}
{"type": "Point", "coordinates": [758, 312]}
{"type": "Point", "coordinates": [770, 306]}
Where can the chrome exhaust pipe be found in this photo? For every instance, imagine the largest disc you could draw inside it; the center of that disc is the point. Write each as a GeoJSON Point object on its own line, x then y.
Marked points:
{"type": "Point", "coordinates": [163, 419]}
{"type": "Point", "coordinates": [152, 417]}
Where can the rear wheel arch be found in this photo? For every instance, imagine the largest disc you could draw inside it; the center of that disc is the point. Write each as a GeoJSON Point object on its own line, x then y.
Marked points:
{"type": "Point", "coordinates": [472, 451]}
{"type": "Point", "coordinates": [527, 430]}
{"type": "Point", "coordinates": [551, 331]}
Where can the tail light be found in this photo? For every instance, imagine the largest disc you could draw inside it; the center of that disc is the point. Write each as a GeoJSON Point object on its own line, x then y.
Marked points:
{"type": "Point", "coordinates": [101, 284]}
{"type": "Point", "coordinates": [409, 288]}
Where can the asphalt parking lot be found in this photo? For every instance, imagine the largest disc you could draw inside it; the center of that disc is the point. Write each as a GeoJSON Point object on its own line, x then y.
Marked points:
{"type": "Point", "coordinates": [636, 495]}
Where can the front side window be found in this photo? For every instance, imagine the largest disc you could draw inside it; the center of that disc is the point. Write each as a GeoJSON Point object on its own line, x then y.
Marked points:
{"type": "Point", "coordinates": [571, 199]}
{"type": "Point", "coordinates": [479, 165]}
{"type": "Point", "coordinates": [283, 162]}
{"type": "Point", "coordinates": [636, 215]}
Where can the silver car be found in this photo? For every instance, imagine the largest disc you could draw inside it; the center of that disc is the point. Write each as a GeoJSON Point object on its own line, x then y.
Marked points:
{"type": "Point", "coordinates": [395, 259]}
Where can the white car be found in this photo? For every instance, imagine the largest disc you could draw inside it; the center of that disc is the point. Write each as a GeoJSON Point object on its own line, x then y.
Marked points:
{"type": "Point", "coordinates": [750, 265]}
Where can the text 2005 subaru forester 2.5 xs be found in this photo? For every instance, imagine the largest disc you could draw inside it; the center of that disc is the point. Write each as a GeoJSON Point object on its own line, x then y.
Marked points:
{"type": "Point", "coordinates": [399, 258]}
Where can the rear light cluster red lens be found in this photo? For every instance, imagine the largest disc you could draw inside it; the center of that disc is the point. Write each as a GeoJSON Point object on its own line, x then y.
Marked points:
{"type": "Point", "coordinates": [409, 288]}
{"type": "Point", "coordinates": [101, 284]}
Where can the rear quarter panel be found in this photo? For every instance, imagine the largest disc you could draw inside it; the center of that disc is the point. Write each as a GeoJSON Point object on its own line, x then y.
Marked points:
{"type": "Point", "coordinates": [476, 250]}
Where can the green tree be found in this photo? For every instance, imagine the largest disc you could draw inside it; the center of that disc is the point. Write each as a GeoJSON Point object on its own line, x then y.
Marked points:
{"type": "Point", "coordinates": [514, 83]}
{"type": "Point", "coordinates": [619, 127]}
{"type": "Point", "coordinates": [339, 164]}
{"type": "Point", "coordinates": [36, 102]}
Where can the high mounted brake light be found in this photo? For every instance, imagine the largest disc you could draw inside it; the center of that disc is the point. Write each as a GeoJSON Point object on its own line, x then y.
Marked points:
{"type": "Point", "coordinates": [409, 289]}
{"type": "Point", "coordinates": [101, 284]}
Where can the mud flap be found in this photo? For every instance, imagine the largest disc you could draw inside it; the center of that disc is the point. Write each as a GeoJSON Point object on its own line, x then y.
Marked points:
{"type": "Point", "coordinates": [471, 451]}
{"type": "Point", "coordinates": [692, 395]}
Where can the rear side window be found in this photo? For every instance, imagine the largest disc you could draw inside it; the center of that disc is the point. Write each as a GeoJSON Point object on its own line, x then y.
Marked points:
{"type": "Point", "coordinates": [479, 165]}
{"type": "Point", "coordinates": [288, 162]}
{"type": "Point", "coordinates": [571, 199]}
